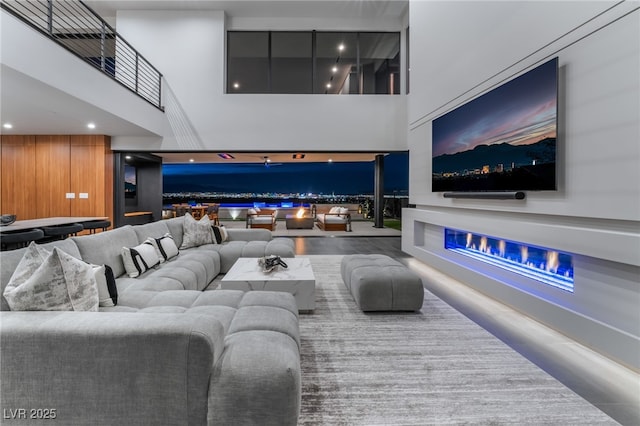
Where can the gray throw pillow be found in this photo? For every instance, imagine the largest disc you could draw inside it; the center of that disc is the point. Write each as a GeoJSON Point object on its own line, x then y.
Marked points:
{"type": "Point", "coordinates": [196, 232]}
{"type": "Point", "coordinates": [51, 282]}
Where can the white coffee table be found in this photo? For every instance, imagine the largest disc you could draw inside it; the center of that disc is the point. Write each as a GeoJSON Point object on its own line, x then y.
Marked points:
{"type": "Point", "coordinates": [297, 279]}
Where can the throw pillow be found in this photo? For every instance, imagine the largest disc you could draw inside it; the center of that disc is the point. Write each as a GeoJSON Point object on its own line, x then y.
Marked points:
{"type": "Point", "coordinates": [252, 211]}
{"type": "Point", "coordinates": [165, 247]}
{"type": "Point", "coordinates": [107, 290]}
{"type": "Point", "coordinates": [196, 232]}
{"type": "Point", "coordinates": [31, 260]}
{"type": "Point", "coordinates": [219, 234]}
{"type": "Point", "coordinates": [60, 282]}
{"type": "Point", "coordinates": [139, 259]}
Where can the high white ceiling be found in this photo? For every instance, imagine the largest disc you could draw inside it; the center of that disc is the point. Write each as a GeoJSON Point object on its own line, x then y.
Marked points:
{"type": "Point", "coordinates": [35, 108]}
{"type": "Point", "coordinates": [366, 9]}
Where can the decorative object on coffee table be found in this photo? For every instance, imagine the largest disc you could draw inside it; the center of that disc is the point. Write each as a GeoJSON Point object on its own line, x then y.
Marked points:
{"type": "Point", "coordinates": [269, 263]}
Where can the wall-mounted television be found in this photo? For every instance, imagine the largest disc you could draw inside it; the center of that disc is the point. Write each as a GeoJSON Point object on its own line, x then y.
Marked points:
{"type": "Point", "coordinates": [503, 140]}
{"type": "Point", "coordinates": [130, 181]}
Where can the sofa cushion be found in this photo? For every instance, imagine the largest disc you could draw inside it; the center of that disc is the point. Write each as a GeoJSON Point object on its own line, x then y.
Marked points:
{"type": "Point", "coordinates": [196, 232]}
{"type": "Point", "coordinates": [105, 248]}
{"type": "Point", "coordinates": [52, 281]}
{"type": "Point", "coordinates": [153, 229]}
{"type": "Point", "coordinates": [139, 259]}
{"type": "Point", "coordinates": [175, 228]}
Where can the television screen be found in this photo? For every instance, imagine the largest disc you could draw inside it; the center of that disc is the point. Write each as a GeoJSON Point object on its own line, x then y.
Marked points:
{"type": "Point", "coordinates": [504, 140]}
{"type": "Point", "coordinates": [129, 181]}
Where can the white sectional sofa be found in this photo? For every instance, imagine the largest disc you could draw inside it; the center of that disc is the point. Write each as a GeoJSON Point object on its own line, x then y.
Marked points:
{"type": "Point", "coordinates": [167, 353]}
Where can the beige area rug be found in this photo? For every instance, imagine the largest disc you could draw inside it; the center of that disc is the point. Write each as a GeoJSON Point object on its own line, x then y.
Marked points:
{"type": "Point", "coordinates": [434, 367]}
{"type": "Point", "coordinates": [358, 229]}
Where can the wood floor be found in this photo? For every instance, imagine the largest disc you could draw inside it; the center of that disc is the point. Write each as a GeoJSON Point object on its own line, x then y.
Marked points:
{"type": "Point", "coordinates": [391, 246]}
{"type": "Point", "coordinates": [591, 380]}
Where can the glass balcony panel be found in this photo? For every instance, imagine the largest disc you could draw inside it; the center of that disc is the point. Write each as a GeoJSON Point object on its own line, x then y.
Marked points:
{"type": "Point", "coordinates": [248, 62]}
{"type": "Point", "coordinates": [291, 62]}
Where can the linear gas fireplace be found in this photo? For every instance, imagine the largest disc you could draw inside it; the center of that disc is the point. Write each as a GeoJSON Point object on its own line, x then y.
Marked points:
{"type": "Point", "coordinates": [542, 264]}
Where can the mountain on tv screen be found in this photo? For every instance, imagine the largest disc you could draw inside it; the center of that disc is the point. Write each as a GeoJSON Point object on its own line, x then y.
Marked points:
{"type": "Point", "coordinates": [504, 140]}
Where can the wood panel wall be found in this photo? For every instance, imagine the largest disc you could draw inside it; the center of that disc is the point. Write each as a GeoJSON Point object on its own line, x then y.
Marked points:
{"type": "Point", "coordinates": [37, 173]}
{"type": "Point", "coordinates": [18, 176]}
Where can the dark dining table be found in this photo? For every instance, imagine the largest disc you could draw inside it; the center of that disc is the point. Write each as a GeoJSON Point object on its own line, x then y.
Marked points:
{"type": "Point", "coordinates": [21, 225]}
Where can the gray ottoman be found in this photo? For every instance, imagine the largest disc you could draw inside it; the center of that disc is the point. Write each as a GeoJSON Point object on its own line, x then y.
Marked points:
{"type": "Point", "coordinates": [379, 283]}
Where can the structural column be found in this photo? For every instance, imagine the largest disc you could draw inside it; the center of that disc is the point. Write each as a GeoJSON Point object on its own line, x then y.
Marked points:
{"type": "Point", "coordinates": [378, 193]}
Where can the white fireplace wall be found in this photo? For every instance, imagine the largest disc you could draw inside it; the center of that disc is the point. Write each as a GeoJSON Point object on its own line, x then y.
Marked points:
{"type": "Point", "coordinates": [467, 48]}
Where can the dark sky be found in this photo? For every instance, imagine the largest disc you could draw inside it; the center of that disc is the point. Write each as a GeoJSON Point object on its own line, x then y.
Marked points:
{"type": "Point", "coordinates": [520, 112]}
{"type": "Point", "coordinates": [325, 178]}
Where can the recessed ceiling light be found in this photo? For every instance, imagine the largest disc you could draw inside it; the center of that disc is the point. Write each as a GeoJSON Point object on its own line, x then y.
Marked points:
{"type": "Point", "coordinates": [236, 85]}
{"type": "Point", "coordinates": [330, 160]}
{"type": "Point", "coordinates": [334, 69]}
{"type": "Point", "coordinates": [127, 157]}
{"type": "Point", "coordinates": [341, 47]}
{"type": "Point", "coordinates": [7, 126]}
{"type": "Point", "coordinates": [191, 160]}
{"type": "Point", "coordinates": [91, 126]}
{"type": "Point", "coordinates": [328, 85]}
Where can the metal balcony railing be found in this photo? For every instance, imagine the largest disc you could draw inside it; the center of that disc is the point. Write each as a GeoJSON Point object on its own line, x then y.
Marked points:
{"type": "Point", "coordinates": [75, 26]}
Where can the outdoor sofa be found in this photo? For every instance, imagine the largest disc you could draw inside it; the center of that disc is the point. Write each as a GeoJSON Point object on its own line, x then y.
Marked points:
{"type": "Point", "coordinates": [261, 218]}
{"type": "Point", "coordinates": [337, 219]}
{"type": "Point", "coordinates": [167, 353]}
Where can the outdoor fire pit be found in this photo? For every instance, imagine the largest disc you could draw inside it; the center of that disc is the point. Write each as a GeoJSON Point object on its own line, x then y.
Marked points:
{"type": "Point", "coordinates": [299, 221]}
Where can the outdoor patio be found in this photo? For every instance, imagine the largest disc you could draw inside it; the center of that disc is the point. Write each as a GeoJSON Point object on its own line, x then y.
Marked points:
{"type": "Point", "coordinates": [359, 228]}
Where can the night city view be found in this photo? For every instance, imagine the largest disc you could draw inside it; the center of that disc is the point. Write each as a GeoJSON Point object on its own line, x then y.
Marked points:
{"type": "Point", "coordinates": [298, 183]}
{"type": "Point", "coordinates": [502, 140]}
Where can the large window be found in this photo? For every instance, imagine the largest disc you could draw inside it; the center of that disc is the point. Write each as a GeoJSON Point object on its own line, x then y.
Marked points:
{"type": "Point", "coordinates": [313, 62]}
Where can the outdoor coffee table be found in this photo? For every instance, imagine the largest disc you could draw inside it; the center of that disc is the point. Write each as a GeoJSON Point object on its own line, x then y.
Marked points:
{"type": "Point", "coordinates": [294, 222]}
{"type": "Point", "coordinates": [298, 279]}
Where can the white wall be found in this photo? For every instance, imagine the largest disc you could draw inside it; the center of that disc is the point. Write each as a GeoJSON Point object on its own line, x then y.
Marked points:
{"type": "Point", "coordinates": [467, 48]}
{"type": "Point", "coordinates": [189, 49]}
{"type": "Point", "coordinates": [59, 75]}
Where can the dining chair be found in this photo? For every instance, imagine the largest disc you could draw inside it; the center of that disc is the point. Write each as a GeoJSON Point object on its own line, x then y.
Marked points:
{"type": "Point", "coordinates": [212, 212]}
{"type": "Point", "coordinates": [18, 239]}
{"type": "Point", "coordinates": [182, 210]}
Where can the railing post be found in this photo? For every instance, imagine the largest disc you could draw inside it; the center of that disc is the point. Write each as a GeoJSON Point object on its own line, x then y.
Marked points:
{"type": "Point", "coordinates": [50, 16]}
{"type": "Point", "coordinates": [160, 91]}
{"type": "Point", "coordinates": [136, 76]}
{"type": "Point", "coordinates": [103, 61]}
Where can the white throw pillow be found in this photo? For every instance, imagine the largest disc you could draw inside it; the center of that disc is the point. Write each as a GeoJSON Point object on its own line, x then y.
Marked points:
{"type": "Point", "coordinates": [252, 211]}
{"type": "Point", "coordinates": [59, 282]}
{"type": "Point", "coordinates": [343, 211]}
{"type": "Point", "coordinates": [219, 234]}
{"type": "Point", "coordinates": [165, 247]}
{"type": "Point", "coordinates": [137, 260]}
{"type": "Point", "coordinates": [107, 290]}
{"type": "Point", "coordinates": [196, 232]}
{"type": "Point", "coordinates": [334, 209]}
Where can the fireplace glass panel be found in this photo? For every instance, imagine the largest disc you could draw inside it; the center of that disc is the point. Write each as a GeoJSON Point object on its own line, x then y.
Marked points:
{"type": "Point", "coordinates": [542, 264]}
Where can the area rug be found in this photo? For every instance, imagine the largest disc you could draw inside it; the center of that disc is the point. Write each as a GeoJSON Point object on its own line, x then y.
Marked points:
{"type": "Point", "coordinates": [434, 367]}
